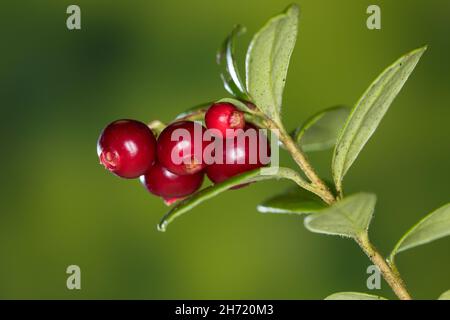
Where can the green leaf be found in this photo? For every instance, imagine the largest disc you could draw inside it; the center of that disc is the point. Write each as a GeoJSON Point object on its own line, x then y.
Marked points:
{"type": "Point", "coordinates": [368, 112]}
{"type": "Point", "coordinates": [267, 61]}
{"type": "Point", "coordinates": [320, 132]}
{"type": "Point", "coordinates": [445, 295]}
{"type": "Point", "coordinates": [349, 217]}
{"type": "Point", "coordinates": [216, 189]}
{"type": "Point", "coordinates": [194, 113]}
{"type": "Point", "coordinates": [230, 73]}
{"type": "Point", "coordinates": [434, 226]}
{"type": "Point", "coordinates": [353, 296]}
{"type": "Point", "coordinates": [238, 104]}
{"type": "Point", "coordinates": [294, 200]}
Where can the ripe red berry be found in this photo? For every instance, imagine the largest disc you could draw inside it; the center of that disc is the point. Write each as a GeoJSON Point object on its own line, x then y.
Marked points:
{"type": "Point", "coordinates": [180, 147]}
{"type": "Point", "coordinates": [240, 155]}
{"type": "Point", "coordinates": [127, 148]}
{"type": "Point", "coordinates": [223, 116]}
{"type": "Point", "coordinates": [163, 183]}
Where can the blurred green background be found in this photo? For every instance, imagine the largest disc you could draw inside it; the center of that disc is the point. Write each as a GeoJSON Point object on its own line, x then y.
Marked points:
{"type": "Point", "coordinates": [153, 59]}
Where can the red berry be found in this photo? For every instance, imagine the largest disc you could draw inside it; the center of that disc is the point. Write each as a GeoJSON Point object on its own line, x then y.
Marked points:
{"type": "Point", "coordinates": [225, 118]}
{"type": "Point", "coordinates": [180, 147]}
{"type": "Point", "coordinates": [127, 148]}
{"type": "Point", "coordinates": [161, 182]}
{"type": "Point", "coordinates": [240, 154]}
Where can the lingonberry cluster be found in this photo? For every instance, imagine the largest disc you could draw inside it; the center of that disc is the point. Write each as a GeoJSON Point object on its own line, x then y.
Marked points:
{"type": "Point", "coordinates": [173, 165]}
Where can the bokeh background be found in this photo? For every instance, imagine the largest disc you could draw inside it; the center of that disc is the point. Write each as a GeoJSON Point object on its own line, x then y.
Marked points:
{"type": "Point", "coordinates": [153, 59]}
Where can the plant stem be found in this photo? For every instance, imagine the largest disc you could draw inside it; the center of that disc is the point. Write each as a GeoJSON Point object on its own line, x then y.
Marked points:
{"type": "Point", "coordinates": [391, 276]}
{"type": "Point", "coordinates": [319, 187]}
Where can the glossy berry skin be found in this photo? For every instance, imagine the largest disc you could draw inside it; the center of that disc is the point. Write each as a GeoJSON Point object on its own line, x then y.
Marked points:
{"type": "Point", "coordinates": [236, 158]}
{"type": "Point", "coordinates": [223, 116]}
{"type": "Point", "coordinates": [163, 183]}
{"type": "Point", "coordinates": [180, 156]}
{"type": "Point", "coordinates": [127, 148]}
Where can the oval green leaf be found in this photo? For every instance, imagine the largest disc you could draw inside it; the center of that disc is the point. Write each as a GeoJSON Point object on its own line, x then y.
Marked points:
{"type": "Point", "coordinates": [353, 296]}
{"type": "Point", "coordinates": [216, 189]}
{"type": "Point", "coordinates": [293, 201]}
{"type": "Point", "coordinates": [368, 112]}
{"type": "Point", "coordinates": [230, 73]}
{"type": "Point", "coordinates": [434, 226]}
{"type": "Point", "coordinates": [194, 113]}
{"type": "Point", "coordinates": [445, 295]}
{"type": "Point", "coordinates": [320, 132]}
{"type": "Point", "coordinates": [238, 104]}
{"type": "Point", "coordinates": [349, 217]}
{"type": "Point", "coordinates": [267, 61]}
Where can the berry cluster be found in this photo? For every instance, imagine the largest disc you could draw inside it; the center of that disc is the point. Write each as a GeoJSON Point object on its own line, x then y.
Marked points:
{"type": "Point", "coordinates": [173, 168]}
